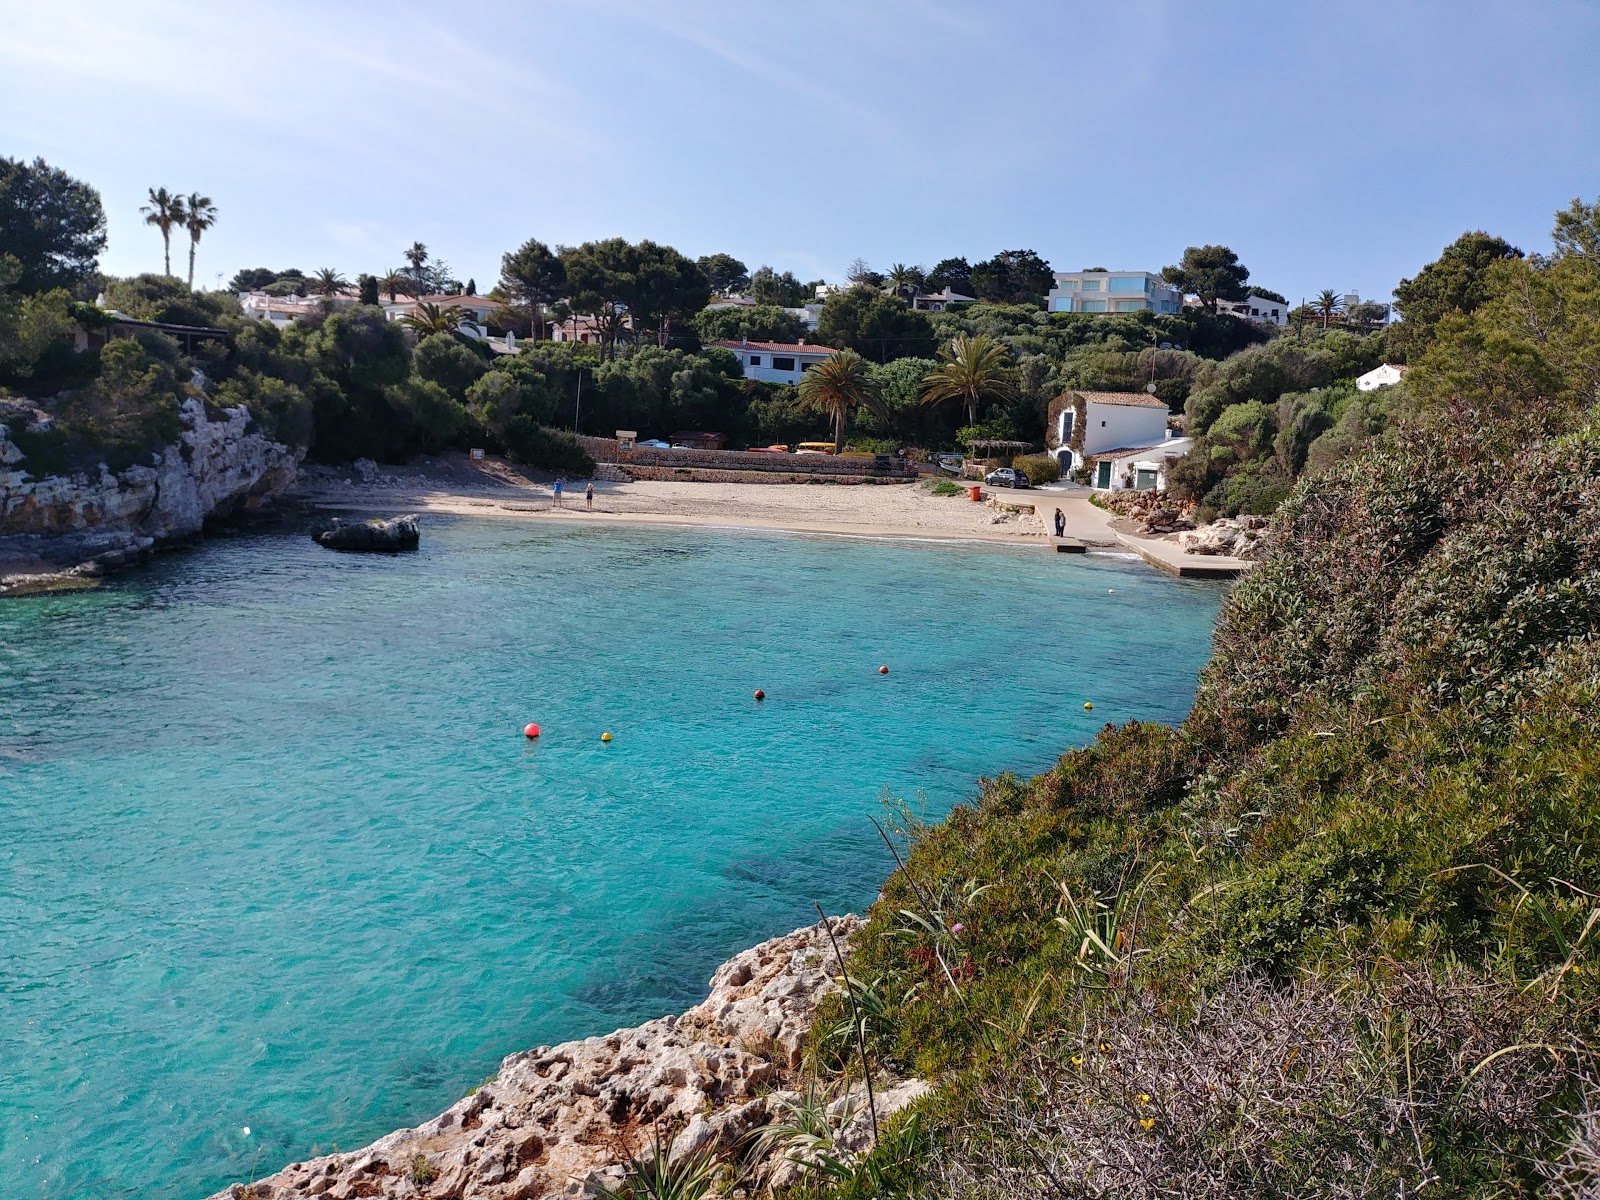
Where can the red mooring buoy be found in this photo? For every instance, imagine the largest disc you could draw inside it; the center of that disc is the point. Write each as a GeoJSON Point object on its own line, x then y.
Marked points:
{"type": "Point", "coordinates": [883, 670]}
{"type": "Point", "coordinates": [530, 730]}
{"type": "Point", "coordinates": [760, 695]}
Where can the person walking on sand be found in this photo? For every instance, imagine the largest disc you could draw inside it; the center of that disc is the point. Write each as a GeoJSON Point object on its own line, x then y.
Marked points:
{"type": "Point", "coordinates": [1061, 523]}
{"type": "Point", "coordinates": [556, 493]}
{"type": "Point", "coordinates": [588, 495]}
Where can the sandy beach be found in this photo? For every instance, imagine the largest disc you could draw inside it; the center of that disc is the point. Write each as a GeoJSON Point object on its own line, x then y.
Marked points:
{"type": "Point", "coordinates": [496, 489]}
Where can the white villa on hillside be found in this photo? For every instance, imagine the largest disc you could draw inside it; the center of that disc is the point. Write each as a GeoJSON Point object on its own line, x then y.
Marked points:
{"type": "Point", "coordinates": [1113, 292]}
{"type": "Point", "coordinates": [777, 362]}
{"type": "Point", "coordinates": [1263, 310]}
{"type": "Point", "coordinates": [1384, 375]}
{"type": "Point", "coordinates": [1112, 432]}
{"type": "Point", "coordinates": [475, 311]}
{"type": "Point", "coordinates": [939, 301]}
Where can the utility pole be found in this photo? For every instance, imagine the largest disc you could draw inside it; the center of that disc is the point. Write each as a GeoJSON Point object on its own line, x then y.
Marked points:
{"type": "Point", "coordinates": [576, 404]}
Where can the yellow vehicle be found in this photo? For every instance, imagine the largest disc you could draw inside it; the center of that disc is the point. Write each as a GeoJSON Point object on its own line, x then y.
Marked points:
{"type": "Point", "coordinates": [814, 448]}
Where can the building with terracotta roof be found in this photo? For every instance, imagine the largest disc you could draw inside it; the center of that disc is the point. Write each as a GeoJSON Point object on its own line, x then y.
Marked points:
{"type": "Point", "coordinates": [1086, 428]}
{"type": "Point", "coordinates": [776, 362]}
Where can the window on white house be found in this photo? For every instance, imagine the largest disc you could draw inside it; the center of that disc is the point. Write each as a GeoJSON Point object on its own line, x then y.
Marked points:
{"type": "Point", "coordinates": [755, 360]}
{"type": "Point", "coordinates": [782, 364]}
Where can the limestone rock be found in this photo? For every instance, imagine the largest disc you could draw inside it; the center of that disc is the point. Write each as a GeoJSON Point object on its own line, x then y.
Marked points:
{"type": "Point", "coordinates": [217, 466]}
{"type": "Point", "coordinates": [558, 1118]}
{"type": "Point", "coordinates": [388, 536]}
{"type": "Point", "coordinates": [1237, 537]}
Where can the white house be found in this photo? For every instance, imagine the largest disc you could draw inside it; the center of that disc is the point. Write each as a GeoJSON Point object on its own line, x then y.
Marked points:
{"type": "Point", "coordinates": [1099, 427]}
{"type": "Point", "coordinates": [475, 310]}
{"type": "Point", "coordinates": [282, 310]}
{"type": "Point", "coordinates": [1113, 292]}
{"type": "Point", "coordinates": [1383, 375]}
{"type": "Point", "coordinates": [939, 301]}
{"type": "Point", "coordinates": [1263, 310]}
{"type": "Point", "coordinates": [776, 362]}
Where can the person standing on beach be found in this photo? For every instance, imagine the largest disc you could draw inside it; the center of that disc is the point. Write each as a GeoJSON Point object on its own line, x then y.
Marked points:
{"type": "Point", "coordinates": [588, 495]}
{"type": "Point", "coordinates": [1061, 523]}
{"type": "Point", "coordinates": [557, 493]}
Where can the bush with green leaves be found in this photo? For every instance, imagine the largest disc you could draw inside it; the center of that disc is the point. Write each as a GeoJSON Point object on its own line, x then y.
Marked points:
{"type": "Point", "coordinates": [1039, 468]}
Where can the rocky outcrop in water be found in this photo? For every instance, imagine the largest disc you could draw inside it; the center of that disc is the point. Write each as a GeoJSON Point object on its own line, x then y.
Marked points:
{"type": "Point", "coordinates": [65, 527]}
{"type": "Point", "coordinates": [382, 536]}
{"type": "Point", "coordinates": [557, 1119]}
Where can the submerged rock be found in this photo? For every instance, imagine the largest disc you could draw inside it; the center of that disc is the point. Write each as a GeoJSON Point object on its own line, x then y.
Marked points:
{"type": "Point", "coordinates": [557, 1118]}
{"type": "Point", "coordinates": [381, 536]}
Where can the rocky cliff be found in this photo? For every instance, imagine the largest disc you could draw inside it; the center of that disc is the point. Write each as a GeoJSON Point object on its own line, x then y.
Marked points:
{"type": "Point", "coordinates": [59, 527]}
{"type": "Point", "coordinates": [557, 1119]}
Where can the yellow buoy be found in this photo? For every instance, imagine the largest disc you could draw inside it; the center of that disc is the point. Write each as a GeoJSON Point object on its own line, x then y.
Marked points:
{"type": "Point", "coordinates": [1086, 704]}
{"type": "Point", "coordinates": [605, 737]}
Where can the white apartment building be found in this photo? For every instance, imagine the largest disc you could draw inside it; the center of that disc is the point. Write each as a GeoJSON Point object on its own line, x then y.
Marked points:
{"type": "Point", "coordinates": [1113, 292]}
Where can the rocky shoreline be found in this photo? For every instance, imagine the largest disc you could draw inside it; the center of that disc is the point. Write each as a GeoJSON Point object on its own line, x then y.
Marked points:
{"type": "Point", "coordinates": [65, 531]}
{"type": "Point", "coordinates": [557, 1120]}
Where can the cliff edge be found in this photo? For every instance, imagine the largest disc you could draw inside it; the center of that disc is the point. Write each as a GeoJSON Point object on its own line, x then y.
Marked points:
{"type": "Point", "coordinates": [558, 1119]}
{"type": "Point", "coordinates": [59, 529]}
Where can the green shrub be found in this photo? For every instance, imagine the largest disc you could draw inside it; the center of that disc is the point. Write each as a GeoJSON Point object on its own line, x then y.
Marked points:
{"type": "Point", "coordinates": [1039, 468]}
{"type": "Point", "coordinates": [550, 449]}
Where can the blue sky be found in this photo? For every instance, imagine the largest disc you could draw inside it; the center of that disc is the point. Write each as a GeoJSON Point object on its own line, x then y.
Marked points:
{"type": "Point", "coordinates": [1334, 145]}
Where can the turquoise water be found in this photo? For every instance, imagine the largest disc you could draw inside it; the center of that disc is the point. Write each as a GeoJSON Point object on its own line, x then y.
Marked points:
{"type": "Point", "coordinates": [274, 853]}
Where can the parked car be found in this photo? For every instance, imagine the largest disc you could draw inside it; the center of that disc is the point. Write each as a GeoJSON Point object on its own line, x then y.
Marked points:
{"type": "Point", "coordinates": [653, 444]}
{"type": "Point", "coordinates": [1006, 477]}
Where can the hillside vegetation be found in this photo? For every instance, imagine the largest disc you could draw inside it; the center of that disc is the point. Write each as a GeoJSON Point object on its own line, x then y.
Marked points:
{"type": "Point", "coordinates": [1338, 933]}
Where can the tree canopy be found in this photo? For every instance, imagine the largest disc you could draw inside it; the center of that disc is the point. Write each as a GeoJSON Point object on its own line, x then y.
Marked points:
{"type": "Point", "coordinates": [1455, 282]}
{"type": "Point", "coordinates": [1210, 272]}
{"type": "Point", "coordinates": [52, 224]}
{"type": "Point", "coordinates": [1012, 277]}
{"type": "Point", "coordinates": [874, 325]}
{"type": "Point", "coordinates": [725, 273]}
{"type": "Point", "coordinates": [534, 276]}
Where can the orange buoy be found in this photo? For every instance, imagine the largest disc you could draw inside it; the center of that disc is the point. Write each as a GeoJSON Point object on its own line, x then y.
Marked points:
{"type": "Point", "coordinates": [760, 695]}
{"type": "Point", "coordinates": [530, 730]}
{"type": "Point", "coordinates": [883, 670]}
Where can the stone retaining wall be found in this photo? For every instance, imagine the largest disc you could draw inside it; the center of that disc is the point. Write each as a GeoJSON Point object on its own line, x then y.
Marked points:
{"type": "Point", "coordinates": [712, 475]}
{"type": "Point", "coordinates": [607, 450]}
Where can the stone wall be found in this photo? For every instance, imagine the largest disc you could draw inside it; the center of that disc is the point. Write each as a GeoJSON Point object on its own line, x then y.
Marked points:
{"type": "Point", "coordinates": [713, 475]}
{"type": "Point", "coordinates": [607, 450]}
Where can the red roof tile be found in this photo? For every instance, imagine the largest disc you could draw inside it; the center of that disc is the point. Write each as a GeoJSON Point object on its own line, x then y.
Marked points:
{"type": "Point", "coordinates": [779, 347]}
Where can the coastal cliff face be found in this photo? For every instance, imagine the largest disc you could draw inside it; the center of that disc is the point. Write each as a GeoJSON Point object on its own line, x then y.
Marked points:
{"type": "Point", "coordinates": [557, 1119]}
{"type": "Point", "coordinates": [80, 524]}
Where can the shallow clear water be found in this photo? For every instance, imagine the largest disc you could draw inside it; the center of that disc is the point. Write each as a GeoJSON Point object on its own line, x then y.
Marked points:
{"type": "Point", "coordinates": [274, 853]}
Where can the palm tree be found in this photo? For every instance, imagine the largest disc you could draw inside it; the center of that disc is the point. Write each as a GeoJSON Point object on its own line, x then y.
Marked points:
{"type": "Point", "coordinates": [199, 215]}
{"type": "Point", "coordinates": [328, 282]}
{"type": "Point", "coordinates": [839, 383]}
{"type": "Point", "coordinates": [395, 282]}
{"type": "Point", "coordinates": [1327, 305]}
{"type": "Point", "coordinates": [975, 369]}
{"type": "Point", "coordinates": [417, 256]}
{"type": "Point", "coordinates": [903, 280]}
{"type": "Point", "coordinates": [164, 212]}
{"type": "Point", "coordinates": [436, 318]}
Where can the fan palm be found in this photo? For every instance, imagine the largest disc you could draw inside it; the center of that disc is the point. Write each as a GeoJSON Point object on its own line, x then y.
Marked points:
{"type": "Point", "coordinates": [417, 256]}
{"type": "Point", "coordinates": [435, 318]}
{"type": "Point", "coordinates": [395, 282]}
{"type": "Point", "coordinates": [1327, 305]}
{"type": "Point", "coordinates": [165, 212]}
{"type": "Point", "coordinates": [199, 215]}
{"type": "Point", "coordinates": [974, 369]}
{"type": "Point", "coordinates": [328, 282]}
{"type": "Point", "coordinates": [839, 383]}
